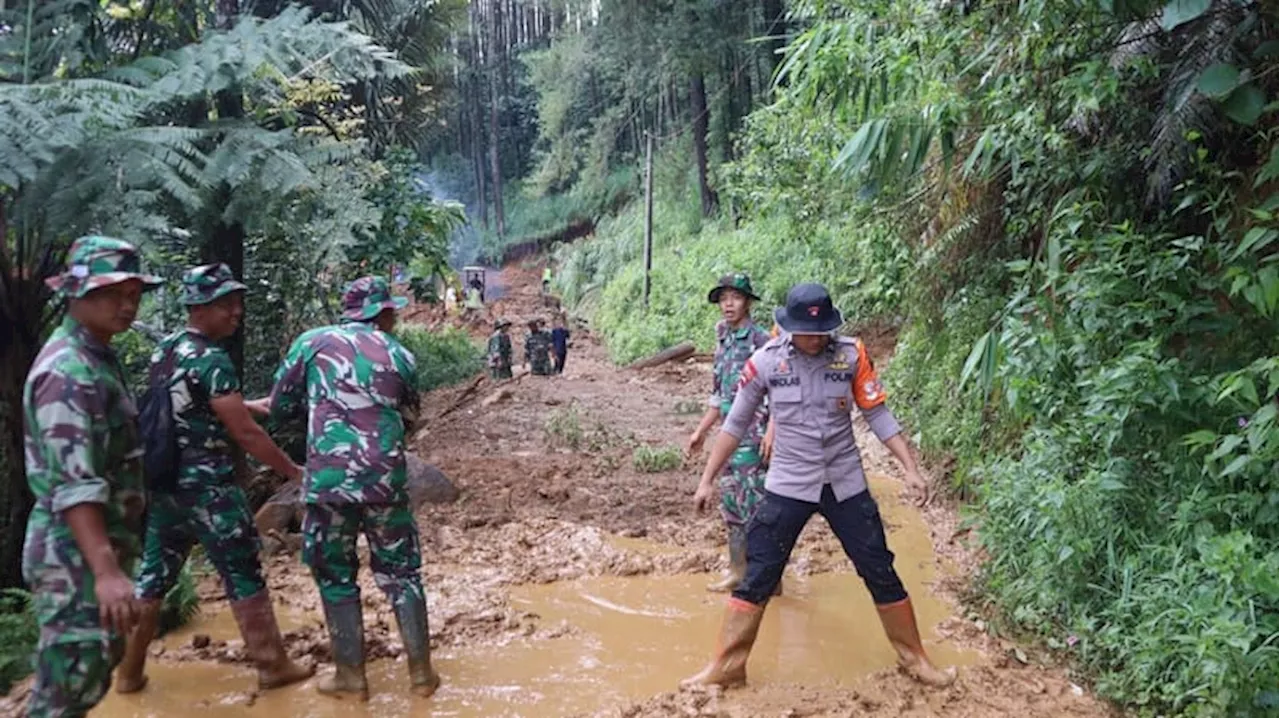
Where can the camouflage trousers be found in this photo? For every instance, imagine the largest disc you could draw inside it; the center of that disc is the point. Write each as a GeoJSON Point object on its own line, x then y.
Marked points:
{"type": "Point", "coordinates": [216, 516]}
{"type": "Point", "coordinates": [72, 677]}
{"type": "Point", "coordinates": [742, 485]}
{"type": "Point", "coordinates": [329, 533]}
{"type": "Point", "coordinates": [540, 366]}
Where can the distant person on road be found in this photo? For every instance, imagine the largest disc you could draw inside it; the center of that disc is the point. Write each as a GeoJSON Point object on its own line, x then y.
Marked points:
{"type": "Point", "coordinates": [450, 300]}
{"type": "Point", "coordinates": [355, 382]}
{"type": "Point", "coordinates": [537, 349]}
{"type": "Point", "coordinates": [474, 302]}
{"type": "Point", "coordinates": [499, 351]}
{"type": "Point", "coordinates": [204, 505]}
{"type": "Point", "coordinates": [84, 466]}
{"type": "Point", "coordinates": [742, 481]}
{"type": "Point", "coordinates": [559, 343]}
{"type": "Point", "coordinates": [546, 279]}
{"type": "Point", "coordinates": [812, 379]}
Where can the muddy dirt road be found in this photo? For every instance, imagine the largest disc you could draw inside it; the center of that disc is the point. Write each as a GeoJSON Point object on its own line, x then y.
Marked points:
{"type": "Point", "coordinates": [567, 582]}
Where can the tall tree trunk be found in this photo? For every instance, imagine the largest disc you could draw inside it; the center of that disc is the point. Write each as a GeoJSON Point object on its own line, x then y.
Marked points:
{"type": "Point", "coordinates": [698, 106]}
{"type": "Point", "coordinates": [775, 22]}
{"type": "Point", "coordinates": [226, 244]}
{"type": "Point", "coordinates": [495, 159]}
{"type": "Point", "coordinates": [25, 317]}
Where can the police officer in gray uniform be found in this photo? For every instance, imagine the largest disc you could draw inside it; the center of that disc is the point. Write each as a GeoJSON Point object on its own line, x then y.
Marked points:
{"type": "Point", "coordinates": [813, 379]}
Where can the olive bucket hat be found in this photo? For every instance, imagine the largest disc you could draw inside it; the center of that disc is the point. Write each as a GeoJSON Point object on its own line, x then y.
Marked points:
{"type": "Point", "coordinates": [737, 281]}
{"type": "Point", "coordinates": [204, 284]}
{"type": "Point", "coordinates": [366, 297]}
{"type": "Point", "coordinates": [94, 262]}
{"type": "Point", "coordinates": [808, 311]}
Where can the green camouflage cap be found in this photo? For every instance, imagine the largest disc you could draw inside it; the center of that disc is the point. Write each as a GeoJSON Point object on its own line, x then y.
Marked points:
{"type": "Point", "coordinates": [738, 281]}
{"type": "Point", "coordinates": [366, 297]}
{"type": "Point", "coordinates": [95, 262]}
{"type": "Point", "coordinates": [203, 284]}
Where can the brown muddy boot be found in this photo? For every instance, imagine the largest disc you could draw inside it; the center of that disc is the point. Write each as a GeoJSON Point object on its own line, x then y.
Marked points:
{"type": "Point", "coordinates": [130, 677]}
{"type": "Point", "coordinates": [411, 614]}
{"type": "Point", "coordinates": [899, 621]}
{"type": "Point", "coordinates": [264, 644]}
{"type": "Point", "coordinates": [737, 634]}
{"type": "Point", "coordinates": [737, 561]}
{"type": "Point", "coordinates": [346, 642]}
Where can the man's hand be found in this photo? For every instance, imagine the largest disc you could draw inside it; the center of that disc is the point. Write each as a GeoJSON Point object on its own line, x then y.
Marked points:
{"type": "Point", "coordinates": [295, 473]}
{"type": "Point", "coordinates": [766, 444]}
{"type": "Point", "coordinates": [117, 608]}
{"type": "Point", "coordinates": [259, 407]}
{"type": "Point", "coordinates": [917, 487]}
{"type": "Point", "coordinates": [694, 444]}
{"type": "Point", "coordinates": [703, 496]}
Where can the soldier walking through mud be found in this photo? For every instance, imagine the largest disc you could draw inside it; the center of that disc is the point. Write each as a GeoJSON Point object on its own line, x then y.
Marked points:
{"type": "Point", "coordinates": [84, 466]}
{"type": "Point", "coordinates": [812, 379]}
{"type": "Point", "coordinates": [498, 353]}
{"type": "Point", "coordinates": [204, 504]}
{"type": "Point", "coordinates": [742, 481]}
{"type": "Point", "coordinates": [537, 349]}
{"type": "Point", "coordinates": [355, 381]}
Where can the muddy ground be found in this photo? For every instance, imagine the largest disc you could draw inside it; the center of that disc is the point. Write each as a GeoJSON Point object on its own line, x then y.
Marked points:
{"type": "Point", "coordinates": [550, 495]}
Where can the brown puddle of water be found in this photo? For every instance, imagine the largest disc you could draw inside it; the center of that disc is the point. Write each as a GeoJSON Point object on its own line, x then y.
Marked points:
{"type": "Point", "coordinates": [634, 637]}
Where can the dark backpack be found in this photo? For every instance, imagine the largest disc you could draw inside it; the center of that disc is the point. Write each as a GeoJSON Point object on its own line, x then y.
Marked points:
{"type": "Point", "coordinates": [161, 455]}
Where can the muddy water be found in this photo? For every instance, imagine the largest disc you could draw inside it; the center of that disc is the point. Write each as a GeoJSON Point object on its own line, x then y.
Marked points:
{"type": "Point", "coordinates": [630, 638]}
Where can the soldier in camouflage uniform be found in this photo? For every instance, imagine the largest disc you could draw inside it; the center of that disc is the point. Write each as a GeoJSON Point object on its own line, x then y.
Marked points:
{"type": "Point", "coordinates": [499, 352]}
{"type": "Point", "coordinates": [537, 349]}
{"type": "Point", "coordinates": [207, 506]}
{"type": "Point", "coordinates": [356, 383]}
{"type": "Point", "coordinates": [84, 466]}
{"type": "Point", "coordinates": [742, 480]}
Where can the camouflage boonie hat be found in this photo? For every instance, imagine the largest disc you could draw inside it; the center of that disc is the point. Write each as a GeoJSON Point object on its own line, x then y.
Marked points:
{"type": "Point", "coordinates": [95, 262]}
{"type": "Point", "coordinates": [502, 323]}
{"type": "Point", "coordinates": [738, 281]}
{"type": "Point", "coordinates": [366, 297]}
{"type": "Point", "coordinates": [203, 284]}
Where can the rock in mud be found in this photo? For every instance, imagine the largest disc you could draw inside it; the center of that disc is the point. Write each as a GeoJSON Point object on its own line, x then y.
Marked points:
{"type": "Point", "coordinates": [282, 513]}
{"type": "Point", "coordinates": [427, 484]}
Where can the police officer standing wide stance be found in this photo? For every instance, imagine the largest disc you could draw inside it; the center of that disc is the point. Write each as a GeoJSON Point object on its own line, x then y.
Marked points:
{"type": "Point", "coordinates": [812, 379]}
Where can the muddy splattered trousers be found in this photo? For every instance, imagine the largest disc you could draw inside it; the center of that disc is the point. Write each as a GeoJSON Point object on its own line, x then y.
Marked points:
{"type": "Point", "coordinates": [777, 524]}
{"type": "Point", "coordinates": [329, 533]}
{"type": "Point", "coordinates": [218, 517]}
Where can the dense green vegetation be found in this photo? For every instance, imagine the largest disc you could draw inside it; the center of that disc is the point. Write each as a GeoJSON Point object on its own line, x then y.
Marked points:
{"type": "Point", "coordinates": [1069, 212]}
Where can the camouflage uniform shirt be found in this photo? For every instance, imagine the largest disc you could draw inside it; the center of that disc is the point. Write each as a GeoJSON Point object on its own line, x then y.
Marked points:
{"type": "Point", "coordinates": [82, 446]}
{"type": "Point", "coordinates": [537, 351]}
{"type": "Point", "coordinates": [356, 383]}
{"type": "Point", "coordinates": [202, 438]}
{"type": "Point", "coordinates": [499, 353]}
{"type": "Point", "coordinates": [733, 348]}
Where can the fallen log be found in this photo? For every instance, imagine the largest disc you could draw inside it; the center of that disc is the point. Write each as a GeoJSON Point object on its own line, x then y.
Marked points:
{"type": "Point", "coordinates": [462, 398]}
{"type": "Point", "coordinates": [679, 351]}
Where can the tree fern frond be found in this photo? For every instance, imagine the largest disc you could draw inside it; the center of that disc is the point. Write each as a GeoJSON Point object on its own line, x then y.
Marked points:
{"type": "Point", "coordinates": [1194, 47]}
